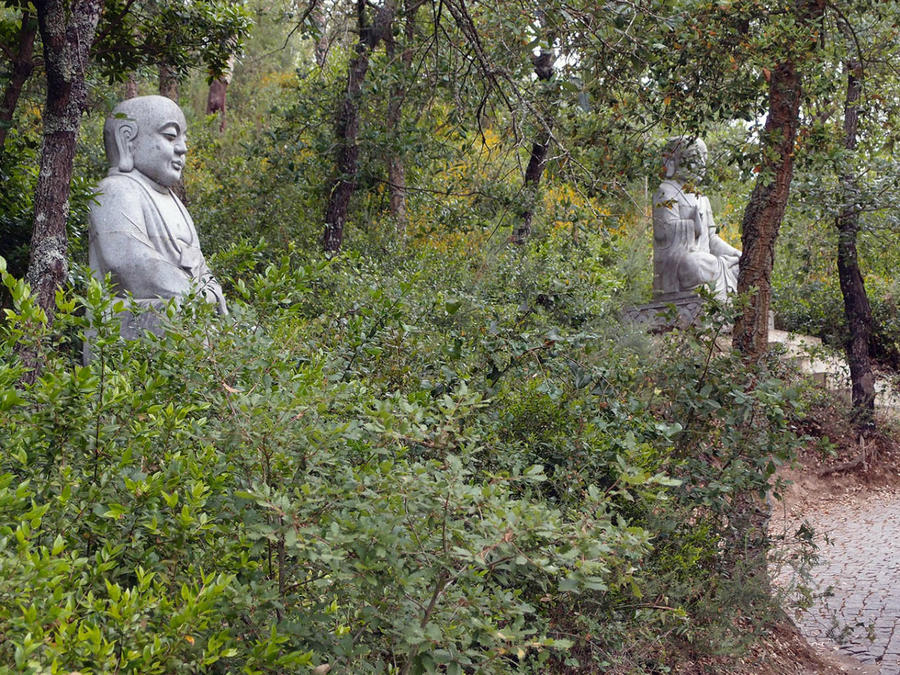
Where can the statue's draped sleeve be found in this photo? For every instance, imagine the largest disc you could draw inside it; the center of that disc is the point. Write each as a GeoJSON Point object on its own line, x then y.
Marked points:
{"type": "Point", "coordinates": [674, 222]}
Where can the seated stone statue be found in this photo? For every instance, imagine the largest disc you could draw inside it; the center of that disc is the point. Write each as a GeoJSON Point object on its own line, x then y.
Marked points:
{"type": "Point", "coordinates": [140, 232]}
{"type": "Point", "coordinates": [687, 251]}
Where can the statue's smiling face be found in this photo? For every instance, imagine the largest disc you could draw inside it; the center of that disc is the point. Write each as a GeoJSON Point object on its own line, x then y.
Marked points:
{"type": "Point", "coordinates": [160, 146]}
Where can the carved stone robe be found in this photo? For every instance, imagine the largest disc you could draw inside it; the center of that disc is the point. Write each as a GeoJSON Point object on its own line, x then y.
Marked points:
{"type": "Point", "coordinates": [145, 240]}
{"type": "Point", "coordinates": [687, 252]}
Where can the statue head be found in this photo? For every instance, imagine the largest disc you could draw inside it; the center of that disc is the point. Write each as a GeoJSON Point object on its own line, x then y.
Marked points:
{"type": "Point", "coordinates": [685, 159]}
{"type": "Point", "coordinates": [147, 134]}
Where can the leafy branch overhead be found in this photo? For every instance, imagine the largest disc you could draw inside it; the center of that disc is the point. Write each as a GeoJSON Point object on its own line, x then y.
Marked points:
{"type": "Point", "coordinates": [183, 35]}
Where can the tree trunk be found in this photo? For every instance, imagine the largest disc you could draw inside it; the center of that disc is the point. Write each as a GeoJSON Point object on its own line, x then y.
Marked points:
{"type": "Point", "coordinates": [395, 164]}
{"type": "Point", "coordinates": [346, 130]}
{"type": "Point", "coordinates": [22, 67]}
{"type": "Point", "coordinates": [168, 82]}
{"type": "Point", "coordinates": [66, 46]}
{"type": "Point", "coordinates": [543, 68]}
{"type": "Point", "coordinates": [320, 51]}
{"type": "Point", "coordinates": [215, 101]}
{"type": "Point", "coordinates": [67, 34]}
{"type": "Point", "coordinates": [856, 303]}
{"type": "Point", "coordinates": [218, 89]}
{"type": "Point", "coordinates": [131, 86]}
{"type": "Point", "coordinates": [762, 217]}
{"type": "Point", "coordinates": [347, 124]}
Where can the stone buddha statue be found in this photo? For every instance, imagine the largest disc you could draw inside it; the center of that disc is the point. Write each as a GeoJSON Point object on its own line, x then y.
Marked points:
{"type": "Point", "coordinates": [140, 232]}
{"type": "Point", "coordinates": [687, 251]}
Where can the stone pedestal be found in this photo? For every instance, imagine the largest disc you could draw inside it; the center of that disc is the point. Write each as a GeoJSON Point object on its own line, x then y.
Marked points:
{"type": "Point", "coordinates": [666, 311]}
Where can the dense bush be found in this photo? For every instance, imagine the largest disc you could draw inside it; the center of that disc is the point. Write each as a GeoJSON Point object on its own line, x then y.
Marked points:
{"type": "Point", "coordinates": [423, 467]}
{"type": "Point", "coordinates": [817, 308]}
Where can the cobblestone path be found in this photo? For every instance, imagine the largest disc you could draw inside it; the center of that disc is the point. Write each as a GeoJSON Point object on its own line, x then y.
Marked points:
{"type": "Point", "coordinates": [856, 583]}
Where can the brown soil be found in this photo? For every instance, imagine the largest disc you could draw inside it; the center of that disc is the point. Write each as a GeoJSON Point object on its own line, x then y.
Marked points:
{"type": "Point", "coordinates": [785, 652]}
{"type": "Point", "coordinates": [782, 651]}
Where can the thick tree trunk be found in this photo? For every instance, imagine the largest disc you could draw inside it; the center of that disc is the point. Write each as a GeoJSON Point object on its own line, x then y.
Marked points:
{"type": "Point", "coordinates": [856, 303]}
{"type": "Point", "coordinates": [218, 90]}
{"type": "Point", "coordinates": [543, 68]}
{"type": "Point", "coordinates": [22, 67]}
{"type": "Point", "coordinates": [762, 217]}
{"type": "Point", "coordinates": [215, 100]}
{"type": "Point", "coordinates": [346, 130]}
{"type": "Point", "coordinates": [347, 124]}
{"type": "Point", "coordinates": [168, 82]}
{"type": "Point", "coordinates": [67, 35]}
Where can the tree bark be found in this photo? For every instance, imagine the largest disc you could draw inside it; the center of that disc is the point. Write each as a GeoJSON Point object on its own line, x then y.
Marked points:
{"type": "Point", "coordinates": [218, 90]}
{"type": "Point", "coordinates": [168, 82]}
{"type": "Point", "coordinates": [762, 217]}
{"type": "Point", "coordinates": [856, 303]}
{"type": "Point", "coordinates": [22, 67]}
{"type": "Point", "coordinates": [543, 68]}
{"type": "Point", "coordinates": [131, 86]}
{"type": "Point", "coordinates": [347, 124]}
{"type": "Point", "coordinates": [320, 51]}
{"type": "Point", "coordinates": [215, 100]}
{"type": "Point", "coordinates": [395, 164]}
{"type": "Point", "coordinates": [346, 130]}
{"type": "Point", "coordinates": [67, 35]}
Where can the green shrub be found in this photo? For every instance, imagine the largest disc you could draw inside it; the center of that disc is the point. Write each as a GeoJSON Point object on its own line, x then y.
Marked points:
{"type": "Point", "coordinates": [385, 466]}
{"type": "Point", "coordinates": [817, 308]}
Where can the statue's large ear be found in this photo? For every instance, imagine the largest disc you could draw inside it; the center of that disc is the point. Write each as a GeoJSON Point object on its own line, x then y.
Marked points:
{"type": "Point", "coordinates": [126, 131]}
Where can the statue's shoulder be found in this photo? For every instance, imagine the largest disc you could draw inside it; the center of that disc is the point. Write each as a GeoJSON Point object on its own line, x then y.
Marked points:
{"type": "Point", "coordinates": [118, 182]}
{"type": "Point", "coordinates": [119, 189]}
{"type": "Point", "coordinates": [666, 192]}
{"type": "Point", "coordinates": [115, 195]}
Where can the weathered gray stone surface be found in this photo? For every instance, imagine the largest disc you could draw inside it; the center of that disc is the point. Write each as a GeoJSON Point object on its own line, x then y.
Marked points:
{"type": "Point", "coordinates": [666, 311]}
{"type": "Point", "coordinates": [140, 232]}
{"type": "Point", "coordinates": [687, 251]}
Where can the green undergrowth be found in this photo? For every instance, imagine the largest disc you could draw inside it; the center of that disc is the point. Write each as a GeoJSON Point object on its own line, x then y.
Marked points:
{"type": "Point", "coordinates": [817, 308]}
{"type": "Point", "coordinates": [417, 464]}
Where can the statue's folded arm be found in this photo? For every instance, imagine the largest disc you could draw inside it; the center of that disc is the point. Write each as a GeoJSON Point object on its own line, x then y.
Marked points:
{"type": "Point", "coordinates": [140, 268]}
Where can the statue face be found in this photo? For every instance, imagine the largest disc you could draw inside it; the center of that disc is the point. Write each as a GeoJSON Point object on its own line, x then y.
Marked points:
{"type": "Point", "coordinates": [685, 159]}
{"type": "Point", "coordinates": [160, 145]}
{"type": "Point", "coordinates": [692, 166]}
